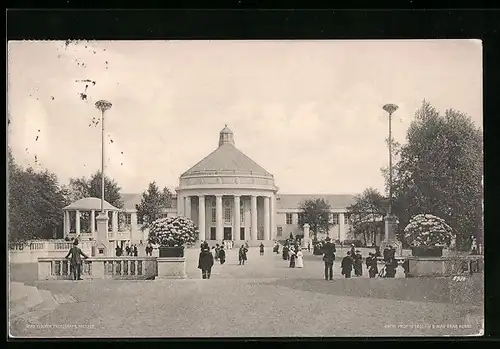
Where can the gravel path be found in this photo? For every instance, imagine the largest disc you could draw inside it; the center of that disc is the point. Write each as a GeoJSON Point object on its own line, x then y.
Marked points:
{"type": "Point", "coordinates": [262, 299]}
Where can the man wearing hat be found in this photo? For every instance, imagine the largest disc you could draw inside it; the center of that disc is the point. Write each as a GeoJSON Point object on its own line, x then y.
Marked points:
{"type": "Point", "coordinates": [205, 261]}
{"type": "Point", "coordinates": [329, 258]}
{"type": "Point", "coordinates": [76, 261]}
{"type": "Point", "coordinates": [358, 263]}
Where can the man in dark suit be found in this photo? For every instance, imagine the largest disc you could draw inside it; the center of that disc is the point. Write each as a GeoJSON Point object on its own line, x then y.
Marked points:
{"type": "Point", "coordinates": [76, 261]}
{"type": "Point", "coordinates": [329, 258]}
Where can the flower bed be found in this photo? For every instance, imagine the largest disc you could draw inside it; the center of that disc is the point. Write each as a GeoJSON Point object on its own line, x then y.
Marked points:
{"type": "Point", "coordinates": [427, 235]}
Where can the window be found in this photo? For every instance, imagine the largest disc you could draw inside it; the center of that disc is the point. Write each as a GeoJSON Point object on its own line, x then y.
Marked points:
{"type": "Point", "coordinates": [214, 215]}
{"type": "Point", "coordinates": [242, 215]}
{"type": "Point", "coordinates": [140, 220]}
{"type": "Point", "coordinates": [301, 218]}
{"type": "Point", "coordinates": [346, 219]}
{"type": "Point", "coordinates": [128, 218]}
{"type": "Point", "coordinates": [280, 231]}
{"type": "Point", "coordinates": [334, 218]}
{"type": "Point", "coordinates": [288, 218]}
{"type": "Point", "coordinates": [227, 214]}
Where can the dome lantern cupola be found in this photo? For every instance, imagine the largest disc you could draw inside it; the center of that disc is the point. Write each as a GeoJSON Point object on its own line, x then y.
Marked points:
{"type": "Point", "coordinates": [226, 136]}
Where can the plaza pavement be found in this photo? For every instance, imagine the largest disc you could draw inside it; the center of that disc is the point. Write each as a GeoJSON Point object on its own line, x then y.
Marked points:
{"type": "Point", "coordinates": [264, 298]}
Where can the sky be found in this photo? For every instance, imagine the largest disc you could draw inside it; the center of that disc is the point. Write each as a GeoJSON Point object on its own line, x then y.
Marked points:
{"type": "Point", "coordinates": [309, 112]}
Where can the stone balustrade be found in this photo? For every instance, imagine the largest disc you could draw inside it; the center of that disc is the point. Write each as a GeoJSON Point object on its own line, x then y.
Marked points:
{"type": "Point", "coordinates": [118, 268]}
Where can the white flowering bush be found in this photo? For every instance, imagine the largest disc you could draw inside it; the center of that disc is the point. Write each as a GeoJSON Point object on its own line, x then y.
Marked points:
{"type": "Point", "coordinates": [173, 232]}
{"type": "Point", "coordinates": [428, 230]}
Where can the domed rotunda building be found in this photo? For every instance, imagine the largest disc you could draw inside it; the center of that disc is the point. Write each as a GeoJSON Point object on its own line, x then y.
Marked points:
{"type": "Point", "coordinates": [228, 195]}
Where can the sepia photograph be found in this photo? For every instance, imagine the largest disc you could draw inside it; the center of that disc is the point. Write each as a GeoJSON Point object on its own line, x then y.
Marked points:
{"type": "Point", "coordinates": [245, 188]}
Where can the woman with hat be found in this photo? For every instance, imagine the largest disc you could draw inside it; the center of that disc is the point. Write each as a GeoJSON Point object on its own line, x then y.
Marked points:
{"type": "Point", "coordinates": [205, 262]}
{"type": "Point", "coordinates": [358, 264]}
{"type": "Point", "coordinates": [76, 261]}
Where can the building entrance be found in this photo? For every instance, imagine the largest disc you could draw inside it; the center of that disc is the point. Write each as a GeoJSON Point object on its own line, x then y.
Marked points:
{"type": "Point", "coordinates": [228, 233]}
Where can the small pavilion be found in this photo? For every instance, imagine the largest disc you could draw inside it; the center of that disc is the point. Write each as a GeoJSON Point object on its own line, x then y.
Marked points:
{"type": "Point", "coordinates": [91, 205]}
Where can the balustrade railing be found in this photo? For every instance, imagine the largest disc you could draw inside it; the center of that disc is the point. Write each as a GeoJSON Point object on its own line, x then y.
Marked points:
{"type": "Point", "coordinates": [124, 268]}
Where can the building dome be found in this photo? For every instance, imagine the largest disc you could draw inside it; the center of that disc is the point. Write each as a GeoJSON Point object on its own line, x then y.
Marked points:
{"type": "Point", "coordinates": [225, 165]}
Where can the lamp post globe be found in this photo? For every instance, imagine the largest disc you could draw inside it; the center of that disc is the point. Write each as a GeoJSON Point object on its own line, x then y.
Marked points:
{"type": "Point", "coordinates": [390, 108]}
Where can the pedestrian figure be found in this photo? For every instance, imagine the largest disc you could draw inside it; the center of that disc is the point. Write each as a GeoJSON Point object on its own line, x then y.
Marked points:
{"type": "Point", "coordinates": [390, 262]}
{"type": "Point", "coordinates": [261, 249]}
{"type": "Point", "coordinates": [222, 255]}
{"type": "Point", "coordinates": [329, 258]}
{"type": "Point", "coordinates": [309, 247]}
{"type": "Point", "coordinates": [276, 248]}
{"type": "Point", "coordinates": [300, 259]}
{"type": "Point", "coordinates": [118, 251]}
{"type": "Point", "coordinates": [358, 264]}
{"type": "Point", "coordinates": [346, 266]}
{"type": "Point", "coordinates": [149, 249]}
{"type": "Point", "coordinates": [246, 246]}
{"type": "Point", "coordinates": [136, 252]}
{"type": "Point", "coordinates": [205, 262]}
{"type": "Point", "coordinates": [127, 250]}
{"type": "Point", "coordinates": [76, 261]}
{"type": "Point", "coordinates": [372, 265]}
{"type": "Point", "coordinates": [242, 255]}
{"type": "Point", "coordinates": [292, 258]}
{"type": "Point", "coordinates": [286, 255]}
{"type": "Point", "coordinates": [217, 248]}
{"type": "Point", "coordinates": [353, 250]}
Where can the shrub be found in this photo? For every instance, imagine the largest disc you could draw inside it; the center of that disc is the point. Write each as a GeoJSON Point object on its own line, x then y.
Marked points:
{"type": "Point", "coordinates": [173, 231]}
{"type": "Point", "coordinates": [428, 230]}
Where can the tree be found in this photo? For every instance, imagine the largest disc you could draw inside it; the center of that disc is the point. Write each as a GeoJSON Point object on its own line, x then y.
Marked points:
{"type": "Point", "coordinates": [80, 188]}
{"type": "Point", "coordinates": [316, 213]}
{"type": "Point", "coordinates": [440, 172]}
{"type": "Point", "coordinates": [153, 204]}
{"type": "Point", "coordinates": [35, 203]}
{"type": "Point", "coordinates": [367, 213]}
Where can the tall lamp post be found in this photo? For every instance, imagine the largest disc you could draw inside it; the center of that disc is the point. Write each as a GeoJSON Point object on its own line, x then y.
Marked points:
{"type": "Point", "coordinates": [102, 219]}
{"type": "Point", "coordinates": [390, 220]}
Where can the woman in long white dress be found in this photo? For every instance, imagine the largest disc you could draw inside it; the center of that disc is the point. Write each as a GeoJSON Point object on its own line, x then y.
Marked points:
{"type": "Point", "coordinates": [300, 259]}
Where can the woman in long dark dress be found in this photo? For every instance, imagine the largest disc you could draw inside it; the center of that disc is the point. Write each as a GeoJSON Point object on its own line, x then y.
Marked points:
{"type": "Point", "coordinates": [242, 254]}
{"type": "Point", "coordinates": [285, 252]}
{"type": "Point", "coordinates": [358, 264]}
{"type": "Point", "coordinates": [346, 265]}
{"type": "Point", "coordinates": [205, 262]}
{"type": "Point", "coordinates": [222, 255]}
{"type": "Point", "coordinates": [292, 258]}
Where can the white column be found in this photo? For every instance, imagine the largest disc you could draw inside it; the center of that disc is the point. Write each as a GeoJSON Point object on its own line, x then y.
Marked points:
{"type": "Point", "coordinates": [236, 229]}
{"type": "Point", "coordinates": [201, 217]}
{"type": "Point", "coordinates": [114, 222]}
{"type": "Point", "coordinates": [92, 223]}
{"type": "Point", "coordinates": [180, 205]}
{"type": "Point", "coordinates": [267, 213]}
{"type": "Point", "coordinates": [77, 221]}
{"type": "Point", "coordinates": [66, 223]}
{"type": "Point", "coordinates": [219, 235]}
{"type": "Point", "coordinates": [341, 226]}
{"type": "Point", "coordinates": [187, 209]}
{"type": "Point", "coordinates": [253, 209]}
{"type": "Point", "coordinates": [273, 217]}
{"type": "Point", "coordinates": [248, 217]}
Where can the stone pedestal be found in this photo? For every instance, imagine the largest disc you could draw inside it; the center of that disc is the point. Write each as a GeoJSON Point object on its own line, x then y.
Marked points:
{"type": "Point", "coordinates": [390, 229]}
{"type": "Point", "coordinates": [101, 242]}
{"type": "Point", "coordinates": [171, 268]}
{"type": "Point", "coordinates": [306, 238]}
